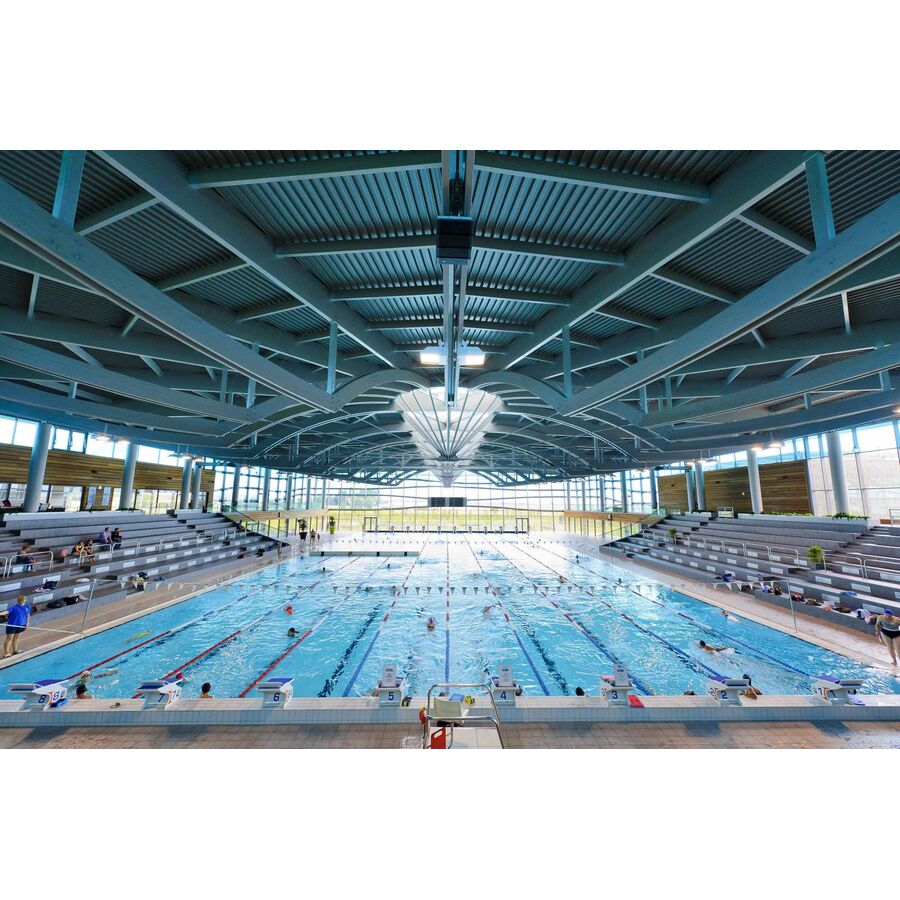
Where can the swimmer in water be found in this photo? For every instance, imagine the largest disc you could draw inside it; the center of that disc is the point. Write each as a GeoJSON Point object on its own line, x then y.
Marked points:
{"type": "Point", "coordinates": [730, 617]}
{"type": "Point", "coordinates": [710, 648]}
{"type": "Point", "coordinates": [292, 632]}
{"type": "Point", "coordinates": [431, 624]}
{"type": "Point", "coordinates": [487, 610]}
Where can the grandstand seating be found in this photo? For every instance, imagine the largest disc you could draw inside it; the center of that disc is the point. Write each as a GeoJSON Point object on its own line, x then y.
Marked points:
{"type": "Point", "coordinates": [157, 546]}
{"type": "Point", "coordinates": [861, 569]}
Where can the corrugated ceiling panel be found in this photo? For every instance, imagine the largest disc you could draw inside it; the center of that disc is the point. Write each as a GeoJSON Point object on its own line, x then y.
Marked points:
{"type": "Point", "coordinates": [156, 244]}
{"type": "Point", "coordinates": [737, 257]}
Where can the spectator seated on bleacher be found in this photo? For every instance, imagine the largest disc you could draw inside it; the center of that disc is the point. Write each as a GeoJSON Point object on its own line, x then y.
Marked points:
{"type": "Point", "coordinates": [116, 538]}
{"type": "Point", "coordinates": [105, 536]}
{"type": "Point", "coordinates": [24, 558]}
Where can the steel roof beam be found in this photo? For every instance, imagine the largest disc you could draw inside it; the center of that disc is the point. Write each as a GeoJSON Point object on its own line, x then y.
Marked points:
{"type": "Point", "coordinates": [406, 243]}
{"type": "Point", "coordinates": [163, 176]}
{"type": "Point", "coordinates": [130, 206]}
{"type": "Point", "coordinates": [567, 173]}
{"type": "Point", "coordinates": [437, 290]}
{"type": "Point", "coordinates": [106, 412]}
{"type": "Point", "coordinates": [866, 239]}
{"type": "Point", "coordinates": [194, 276]}
{"type": "Point", "coordinates": [438, 322]}
{"type": "Point", "coordinates": [777, 231]}
{"type": "Point", "coordinates": [314, 169]}
{"type": "Point", "coordinates": [745, 184]}
{"type": "Point", "coordinates": [28, 223]}
{"type": "Point", "coordinates": [84, 373]}
{"type": "Point", "coordinates": [858, 366]}
{"type": "Point", "coordinates": [817, 416]}
{"type": "Point", "coordinates": [695, 285]}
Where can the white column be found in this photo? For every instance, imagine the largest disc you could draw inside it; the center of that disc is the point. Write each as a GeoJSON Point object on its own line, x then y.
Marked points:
{"type": "Point", "coordinates": [838, 475]}
{"type": "Point", "coordinates": [37, 465]}
{"type": "Point", "coordinates": [623, 482]}
{"type": "Point", "coordinates": [689, 484]}
{"type": "Point", "coordinates": [289, 494]}
{"type": "Point", "coordinates": [699, 486]}
{"type": "Point", "coordinates": [126, 494]}
{"type": "Point", "coordinates": [267, 482]}
{"type": "Point", "coordinates": [654, 495]}
{"type": "Point", "coordinates": [755, 487]}
{"type": "Point", "coordinates": [195, 486]}
{"type": "Point", "coordinates": [236, 487]}
{"type": "Point", "coordinates": [184, 501]}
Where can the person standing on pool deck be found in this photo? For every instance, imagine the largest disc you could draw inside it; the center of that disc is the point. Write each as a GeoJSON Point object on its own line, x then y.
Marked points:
{"type": "Point", "coordinates": [887, 627]}
{"type": "Point", "coordinates": [16, 622]}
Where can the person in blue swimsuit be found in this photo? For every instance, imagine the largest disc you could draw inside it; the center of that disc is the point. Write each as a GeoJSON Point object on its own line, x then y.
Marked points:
{"type": "Point", "coordinates": [16, 622]}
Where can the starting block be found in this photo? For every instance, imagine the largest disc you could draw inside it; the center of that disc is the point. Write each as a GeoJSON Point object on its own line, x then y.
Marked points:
{"type": "Point", "coordinates": [727, 691]}
{"type": "Point", "coordinates": [276, 692]}
{"type": "Point", "coordinates": [836, 691]}
{"type": "Point", "coordinates": [161, 693]}
{"type": "Point", "coordinates": [504, 687]}
{"type": "Point", "coordinates": [43, 695]}
{"type": "Point", "coordinates": [390, 690]}
{"type": "Point", "coordinates": [616, 691]}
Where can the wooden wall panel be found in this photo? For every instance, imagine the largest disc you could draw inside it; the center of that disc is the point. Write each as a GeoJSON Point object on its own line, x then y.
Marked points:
{"type": "Point", "coordinates": [784, 488]}
{"type": "Point", "coordinates": [80, 470]}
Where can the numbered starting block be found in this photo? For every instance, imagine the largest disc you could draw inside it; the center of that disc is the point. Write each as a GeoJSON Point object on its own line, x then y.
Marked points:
{"type": "Point", "coordinates": [727, 691]}
{"type": "Point", "coordinates": [838, 691]}
{"type": "Point", "coordinates": [276, 692]}
{"type": "Point", "coordinates": [43, 695]}
{"type": "Point", "coordinates": [615, 690]}
{"type": "Point", "coordinates": [161, 693]}
{"type": "Point", "coordinates": [390, 690]}
{"type": "Point", "coordinates": [504, 688]}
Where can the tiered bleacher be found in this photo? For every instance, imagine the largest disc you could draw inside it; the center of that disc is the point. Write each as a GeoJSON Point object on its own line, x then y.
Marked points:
{"type": "Point", "coordinates": [152, 550]}
{"type": "Point", "coordinates": [768, 557]}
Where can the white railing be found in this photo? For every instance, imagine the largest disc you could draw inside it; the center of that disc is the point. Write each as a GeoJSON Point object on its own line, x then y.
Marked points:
{"type": "Point", "coordinates": [8, 563]}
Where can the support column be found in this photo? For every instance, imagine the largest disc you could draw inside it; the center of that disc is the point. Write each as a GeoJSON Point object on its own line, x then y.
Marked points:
{"type": "Point", "coordinates": [838, 475]}
{"type": "Point", "coordinates": [126, 494]}
{"type": "Point", "coordinates": [623, 482]}
{"type": "Point", "coordinates": [308, 491]}
{"type": "Point", "coordinates": [236, 487]}
{"type": "Point", "coordinates": [755, 487]}
{"type": "Point", "coordinates": [689, 484]}
{"type": "Point", "coordinates": [602, 492]}
{"type": "Point", "coordinates": [654, 494]}
{"type": "Point", "coordinates": [36, 467]}
{"type": "Point", "coordinates": [195, 486]}
{"type": "Point", "coordinates": [699, 487]}
{"type": "Point", "coordinates": [267, 483]}
{"type": "Point", "coordinates": [184, 501]}
{"type": "Point", "coordinates": [289, 492]}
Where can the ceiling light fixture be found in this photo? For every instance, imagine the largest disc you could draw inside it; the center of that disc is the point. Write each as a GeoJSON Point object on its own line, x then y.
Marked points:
{"type": "Point", "coordinates": [467, 356]}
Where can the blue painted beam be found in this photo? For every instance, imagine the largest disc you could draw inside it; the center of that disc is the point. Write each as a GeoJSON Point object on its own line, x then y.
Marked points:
{"type": "Point", "coordinates": [820, 199]}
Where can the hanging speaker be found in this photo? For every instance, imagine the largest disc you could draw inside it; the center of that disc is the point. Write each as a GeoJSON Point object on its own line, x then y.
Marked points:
{"type": "Point", "coordinates": [454, 239]}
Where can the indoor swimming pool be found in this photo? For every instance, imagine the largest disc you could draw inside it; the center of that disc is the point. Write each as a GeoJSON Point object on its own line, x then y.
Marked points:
{"type": "Point", "coordinates": [560, 620]}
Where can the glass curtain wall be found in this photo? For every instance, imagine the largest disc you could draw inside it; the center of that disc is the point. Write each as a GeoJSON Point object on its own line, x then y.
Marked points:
{"type": "Point", "coordinates": [871, 457]}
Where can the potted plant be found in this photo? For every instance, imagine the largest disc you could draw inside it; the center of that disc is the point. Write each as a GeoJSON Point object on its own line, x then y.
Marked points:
{"type": "Point", "coordinates": [673, 533]}
{"type": "Point", "coordinates": [332, 524]}
{"type": "Point", "coordinates": [303, 529]}
{"type": "Point", "coordinates": [816, 557]}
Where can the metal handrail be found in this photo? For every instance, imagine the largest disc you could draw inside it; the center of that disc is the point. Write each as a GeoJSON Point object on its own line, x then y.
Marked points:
{"type": "Point", "coordinates": [494, 719]}
{"type": "Point", "coordinates": [10, 561]}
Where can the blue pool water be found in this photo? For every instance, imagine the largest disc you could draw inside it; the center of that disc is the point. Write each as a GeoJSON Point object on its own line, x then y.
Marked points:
{"type": "Point", "coordinates": [364, 612]}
